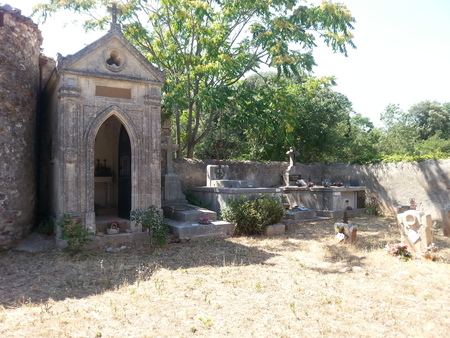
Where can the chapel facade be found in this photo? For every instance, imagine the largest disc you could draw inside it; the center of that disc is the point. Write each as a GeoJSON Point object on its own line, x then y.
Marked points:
{"type": "Point", "coordinates": [89, 138]}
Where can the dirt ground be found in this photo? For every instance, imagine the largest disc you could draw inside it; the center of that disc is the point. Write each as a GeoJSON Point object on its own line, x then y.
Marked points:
{"type": "Point", "coordinates": [302, 284]}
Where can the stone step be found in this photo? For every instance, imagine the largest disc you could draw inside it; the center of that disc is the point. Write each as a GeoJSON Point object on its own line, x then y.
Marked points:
{"type": "Point", "coordinates": [187, 212]}
{"type": "Point", "coordinates": [191, 230]}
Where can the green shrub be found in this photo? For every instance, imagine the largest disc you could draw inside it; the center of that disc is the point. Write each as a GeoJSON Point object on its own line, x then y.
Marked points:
{"type": "Point", "coordinates": [252, 214]}
{"type": "Point", "coordinates": [152, 220]}
{"type": "Point", "coordinates": [74, 232]}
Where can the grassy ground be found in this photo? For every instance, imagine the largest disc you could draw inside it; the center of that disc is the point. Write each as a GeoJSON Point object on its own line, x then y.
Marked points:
{"type": "Point", "coordinates": [301, 284]}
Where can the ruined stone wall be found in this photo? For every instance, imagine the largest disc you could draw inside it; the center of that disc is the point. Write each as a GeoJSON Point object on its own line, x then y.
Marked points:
{"type": "Point", "coordinates": [20, 42]}
{"type": "Point", "coordinates": [392, 184]}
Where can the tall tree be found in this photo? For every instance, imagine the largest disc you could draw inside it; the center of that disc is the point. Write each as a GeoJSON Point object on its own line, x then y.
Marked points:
{"type": "Point", "coordinates": [399, 133]}
{"type": "Point", "coordinates": [431, 118]}
{"type": "Point", "coordinates": [273, 113]}
{"type": "Point", "coordinates": [206, 46]}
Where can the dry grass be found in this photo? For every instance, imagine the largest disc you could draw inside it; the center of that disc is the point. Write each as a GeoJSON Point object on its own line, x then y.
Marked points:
{"type": "Point", "coordinates": [301, 284]}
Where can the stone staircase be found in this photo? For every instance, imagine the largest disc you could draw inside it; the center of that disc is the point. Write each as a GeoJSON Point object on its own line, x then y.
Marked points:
{"type": "Point", "coordinates": [182, 220]}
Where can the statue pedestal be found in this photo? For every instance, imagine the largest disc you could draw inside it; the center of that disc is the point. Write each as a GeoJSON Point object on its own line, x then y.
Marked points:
{"type": "Point", "coordinates": [291, 175]}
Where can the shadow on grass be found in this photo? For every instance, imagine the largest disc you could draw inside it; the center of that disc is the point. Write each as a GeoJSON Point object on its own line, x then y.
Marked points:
{"type": "Point", "coordinates": [34, 278]}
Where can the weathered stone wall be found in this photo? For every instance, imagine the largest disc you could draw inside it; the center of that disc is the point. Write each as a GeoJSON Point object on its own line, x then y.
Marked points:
{"type": "Point", "coordinates": [20, 40]}
{"type": "Point", "coordinates": [393, 184]}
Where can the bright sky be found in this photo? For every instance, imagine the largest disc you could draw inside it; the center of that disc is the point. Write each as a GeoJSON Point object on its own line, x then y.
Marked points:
{"type": "Point", "coordinates": [402, 55]}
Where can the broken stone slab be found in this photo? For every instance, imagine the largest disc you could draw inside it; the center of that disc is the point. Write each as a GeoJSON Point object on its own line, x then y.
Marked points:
{"type": "Point", "coordinates": [346, 232]}
{"type": "Point", "coordinates": [277, 229]}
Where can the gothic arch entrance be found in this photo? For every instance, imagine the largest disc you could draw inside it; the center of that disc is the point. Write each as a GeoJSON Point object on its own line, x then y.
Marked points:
{"type": "Point", "coordinates": [112, 176]}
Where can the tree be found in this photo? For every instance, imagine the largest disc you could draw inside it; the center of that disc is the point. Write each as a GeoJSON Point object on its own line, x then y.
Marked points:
{"type": "Point", "coordinates": [362, 139]}
{"type": "Point", "coordinates": [272, 113]}
{"type": "Point", "coordinates": [206, 46]}
{"type": "Point", "coordinates": [400, 132]}
{"type": "Point", "coordinates": [431, 118]}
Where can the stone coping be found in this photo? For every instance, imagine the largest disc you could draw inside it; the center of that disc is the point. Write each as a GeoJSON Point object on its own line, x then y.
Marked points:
{"type": "Point", "coordinates": [321, 188]}
{"type": "Point", "coordinates": [222, 190]}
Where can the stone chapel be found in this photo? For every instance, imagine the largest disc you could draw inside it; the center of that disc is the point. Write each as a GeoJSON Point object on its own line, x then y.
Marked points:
{"type": "Point", "coordinates": [78, 136]}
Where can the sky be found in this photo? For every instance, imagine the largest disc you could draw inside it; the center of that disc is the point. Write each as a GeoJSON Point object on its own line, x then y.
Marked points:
{"type": "Point", "coordinates": [402, 55]}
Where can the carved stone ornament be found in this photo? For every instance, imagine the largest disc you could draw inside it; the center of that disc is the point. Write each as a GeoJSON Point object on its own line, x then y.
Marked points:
{"type": "Point", "coordinates": [114, 59]}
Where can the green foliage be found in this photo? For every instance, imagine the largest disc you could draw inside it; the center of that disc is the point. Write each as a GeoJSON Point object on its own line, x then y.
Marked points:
{"type": "Point", "coordinates": [46, 225]}
{"type": "Point", "coordinates": [431, 118]}
{"type": "Point", "coordinates": [372, 205]}
{"type": "Point", "coordinates": [74, 232]}
{"type": "Point", "coordinates": [274, 112]}
{"type": "Point", "coordinates": [436, 146]}
{"type": "Point", "coordinates": [192, 199]}
{"type": "Point", "coordinates": [152, 220]}
{"type": "Point", "coordinates": [400, 132]}
{"type": "Point", "coordinates": [252, 214]}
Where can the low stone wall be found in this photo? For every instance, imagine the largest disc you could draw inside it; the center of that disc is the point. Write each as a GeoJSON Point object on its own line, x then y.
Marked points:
{"type": "Point", "coordinates": [392, 184]}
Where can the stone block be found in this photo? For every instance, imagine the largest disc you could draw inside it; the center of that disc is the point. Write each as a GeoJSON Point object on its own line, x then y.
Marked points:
{"type": "Point", "coordinates": [415, 230]}
{"type": "Point", "coordinates": [300, 215]}
{"type": "Point", "coordinates": [193, 231]}
{"type": "Point", "coordinates": [277, 229]}
{"type": "Point", "coordinates": [187, 213]}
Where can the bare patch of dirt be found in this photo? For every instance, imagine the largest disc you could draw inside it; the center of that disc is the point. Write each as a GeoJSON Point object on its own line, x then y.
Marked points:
{"type": "Point", "coordinates": [301, 284]}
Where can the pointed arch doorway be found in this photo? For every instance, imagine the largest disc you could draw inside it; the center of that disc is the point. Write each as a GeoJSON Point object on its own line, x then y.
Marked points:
{"type": "Point", "coordinates": [112, 194]}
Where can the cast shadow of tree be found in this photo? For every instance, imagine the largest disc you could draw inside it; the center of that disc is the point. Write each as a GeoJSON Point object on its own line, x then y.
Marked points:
{"type": "Point", "coordinates": [36, 278]}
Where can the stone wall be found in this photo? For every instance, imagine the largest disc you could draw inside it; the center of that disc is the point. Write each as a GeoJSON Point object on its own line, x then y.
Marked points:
{"type": "Point", "coordinates": [266, 174]}
{"type": "Point", "coordinates": [393, 184]}
{"type": "Point", "coordinates": [20, 40]}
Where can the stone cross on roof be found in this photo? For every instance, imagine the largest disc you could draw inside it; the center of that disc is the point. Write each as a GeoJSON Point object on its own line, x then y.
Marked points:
{"type": "Point", "coordinates": [114, 12]}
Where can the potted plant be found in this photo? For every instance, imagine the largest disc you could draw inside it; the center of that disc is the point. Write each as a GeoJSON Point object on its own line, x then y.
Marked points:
{"type": "Point", "coordinates": [310, 184]}
{"type": "Point", "coordinates": [113, 228]}
{"type": "Point", "coordinates": [338, 184]}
